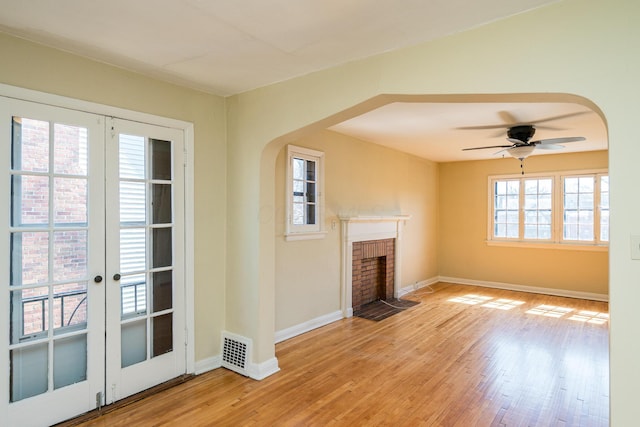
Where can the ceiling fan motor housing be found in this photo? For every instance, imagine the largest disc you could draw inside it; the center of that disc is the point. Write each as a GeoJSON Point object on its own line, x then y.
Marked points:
{"type": "Point", "coordinates": [521, 133]}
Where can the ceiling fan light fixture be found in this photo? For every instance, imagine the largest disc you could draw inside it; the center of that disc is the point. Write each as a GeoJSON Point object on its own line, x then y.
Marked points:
{"type": "Point", "coordinates": [521, 151]}
{"type": "Point", "coordinates": [520, 138]}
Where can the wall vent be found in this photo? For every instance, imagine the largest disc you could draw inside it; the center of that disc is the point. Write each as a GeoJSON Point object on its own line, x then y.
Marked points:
{"type": "Point", "coordinates": [236, 352]}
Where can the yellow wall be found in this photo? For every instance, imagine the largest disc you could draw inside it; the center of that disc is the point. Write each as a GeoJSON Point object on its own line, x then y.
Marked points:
{"type": "Point", "coordinates": [446, 235]}
{"type": "Point", "coordinates": [36, 67]}
{"type": "Point", "coordinates": [463, 250]}
{"type": "Point", "coordinates": [360, 179]}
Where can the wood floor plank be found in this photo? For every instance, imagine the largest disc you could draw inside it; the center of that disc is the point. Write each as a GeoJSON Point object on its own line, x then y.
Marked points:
{"type": "Point", "coordinates": [465, 356]}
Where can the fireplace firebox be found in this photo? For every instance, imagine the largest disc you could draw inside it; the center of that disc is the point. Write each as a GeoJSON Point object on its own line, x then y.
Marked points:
{"type": "Point", "coordinates": [372, 271]}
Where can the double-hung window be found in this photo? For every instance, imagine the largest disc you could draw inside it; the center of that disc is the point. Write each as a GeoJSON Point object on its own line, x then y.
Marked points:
{"type": "Point", "coordinates": [538, 202]}
{"type": "Point", "coordinates": [506, 209]}
{"type": "Point", "coordinates": [586, 208]}
{"type": "Point", "coordinates": [522, 208]}
{"type": "Point", "coordinates": [305, 170]}
{"type": "Point", "coordinates": [561, 208]}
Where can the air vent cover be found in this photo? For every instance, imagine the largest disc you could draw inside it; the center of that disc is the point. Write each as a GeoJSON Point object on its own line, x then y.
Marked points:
{"type": "Point", "coordinates": [236, 352]}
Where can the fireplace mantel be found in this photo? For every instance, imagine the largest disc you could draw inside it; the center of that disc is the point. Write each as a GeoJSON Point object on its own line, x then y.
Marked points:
{"type": "Point", "coordinates": [375, 218]}
{"type": "Point", "coordinates": [364, 228]}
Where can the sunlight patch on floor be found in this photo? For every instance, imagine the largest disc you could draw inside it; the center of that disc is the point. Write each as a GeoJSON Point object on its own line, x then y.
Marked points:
{"type": "Point", "coordinates": [550, 310]}
{"type": "Point", "coordinates": [590, 317]}
{"type": "Point", "coordinates": [503, 304]}
{"type": "Point", "coordinates": [546, 310]}
{"type": "Point", "coordinates": [470, 299]}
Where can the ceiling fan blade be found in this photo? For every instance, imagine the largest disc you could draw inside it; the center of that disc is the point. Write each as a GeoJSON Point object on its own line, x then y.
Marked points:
{"type": "Point", "coordinates": [550, 147]}
{"type": "Point", "coordinates": [508, 118]}
{"type": "Point", "coordinates": [558, 140]}
{"type": "Point", "coordinates": [489, 146]}
{"type": "Point", "coordinates": [497, 134]}
{"type": "Point", "coordinates": [517, 142]}
{"type": "Point", "coordinates": [505, 126]}
{"type": "Point", "coordinates": [561, 116]}
{"type": "Point", "coordinates": [553, 128]}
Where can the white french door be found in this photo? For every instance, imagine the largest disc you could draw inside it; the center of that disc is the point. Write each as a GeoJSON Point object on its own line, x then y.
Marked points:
{"type": "Point", "coordinates": [92, 261]}
{"type": "Point", "coordinates": [145, 257]}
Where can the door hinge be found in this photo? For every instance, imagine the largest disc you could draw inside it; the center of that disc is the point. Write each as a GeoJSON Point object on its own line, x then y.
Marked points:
{"type": "Point", "coordinates": [112, 127]}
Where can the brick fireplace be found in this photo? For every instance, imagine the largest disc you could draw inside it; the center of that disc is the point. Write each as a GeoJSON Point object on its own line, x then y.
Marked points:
{"type": "Point", "coordinates": [371, 260]}
{"type": "Point", "coordinates": [372, 271]}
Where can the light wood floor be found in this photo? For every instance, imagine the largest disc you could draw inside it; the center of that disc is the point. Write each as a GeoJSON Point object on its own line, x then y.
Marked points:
{"type": "Point", "coordinates": [443, 362]}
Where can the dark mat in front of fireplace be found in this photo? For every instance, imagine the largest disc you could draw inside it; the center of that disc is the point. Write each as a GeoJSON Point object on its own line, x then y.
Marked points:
{"type": "Point", "coordinates": [380, 310]}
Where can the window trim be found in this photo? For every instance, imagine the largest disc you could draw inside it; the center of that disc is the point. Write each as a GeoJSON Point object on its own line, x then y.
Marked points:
{"type": "Point", "coordinates": [305, 231]}
{"type": "Point", "coordinates": [557, 236]}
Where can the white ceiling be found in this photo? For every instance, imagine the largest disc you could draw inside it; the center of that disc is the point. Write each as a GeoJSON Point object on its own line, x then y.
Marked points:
{"type": "Point", "coordinates": [231, 46]}
{"type": "Point", "coordinates": [432, 130]}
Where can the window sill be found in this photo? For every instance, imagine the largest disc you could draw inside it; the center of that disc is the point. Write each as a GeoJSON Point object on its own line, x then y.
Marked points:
{"type": "Point", "coordinates": [306, 235]}
{"type": "Point", "coordinates": [548, 245]}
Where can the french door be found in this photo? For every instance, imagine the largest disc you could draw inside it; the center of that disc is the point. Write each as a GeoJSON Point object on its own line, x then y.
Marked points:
{"type": "Point", "coordinates": [145, 257]}
{"type": "Point", "coordinates": [91, 257]}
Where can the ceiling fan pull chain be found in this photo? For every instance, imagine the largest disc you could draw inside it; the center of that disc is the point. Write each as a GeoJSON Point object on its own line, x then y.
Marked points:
{"type": "Point", "coordinates": [522, 166]}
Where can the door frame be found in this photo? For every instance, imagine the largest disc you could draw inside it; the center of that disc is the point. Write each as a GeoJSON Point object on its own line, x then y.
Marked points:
{"type": "Point", "coordinates": [187, 128]}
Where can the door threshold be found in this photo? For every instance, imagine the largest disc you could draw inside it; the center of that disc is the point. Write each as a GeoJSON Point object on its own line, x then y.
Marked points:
{"type": "Point", "coordinates": [126, 401]}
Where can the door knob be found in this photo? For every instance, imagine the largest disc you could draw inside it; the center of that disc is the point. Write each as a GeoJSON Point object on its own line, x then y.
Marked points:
{"type": "Point", "coordinates": [97, 279]}
{"type": "Point", "coordinates": [116, 276]}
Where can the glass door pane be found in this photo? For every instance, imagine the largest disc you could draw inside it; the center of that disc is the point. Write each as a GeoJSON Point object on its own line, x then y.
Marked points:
{"type": "Point", "coordinates": [146, 250]}
{"type": "Point", "coordinates": [49, 251]}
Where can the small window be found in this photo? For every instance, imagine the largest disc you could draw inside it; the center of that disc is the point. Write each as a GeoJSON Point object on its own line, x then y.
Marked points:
{"type": "Point", "coordinates": [304, 193]}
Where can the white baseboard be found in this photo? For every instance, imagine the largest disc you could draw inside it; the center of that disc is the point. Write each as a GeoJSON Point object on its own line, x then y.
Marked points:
{"type": "Point", "coordinates": [307, 326]}
{"type": "Point", "coordinates": [260, 371]}
{"type": "Point", "coordinates": [524, 288]}
{"type": "Point", "coordinates": [418, 285]}
{"type": "Point", "coordinates": [208, 364]}
{"type": "Point", "coordinates": [257, 371]}
{"type": "Point", "coordinates": [285, 334]}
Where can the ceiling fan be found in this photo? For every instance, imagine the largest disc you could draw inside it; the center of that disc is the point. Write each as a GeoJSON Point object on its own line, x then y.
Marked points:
{"type": "Point", "coordinates": [519, 135]}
